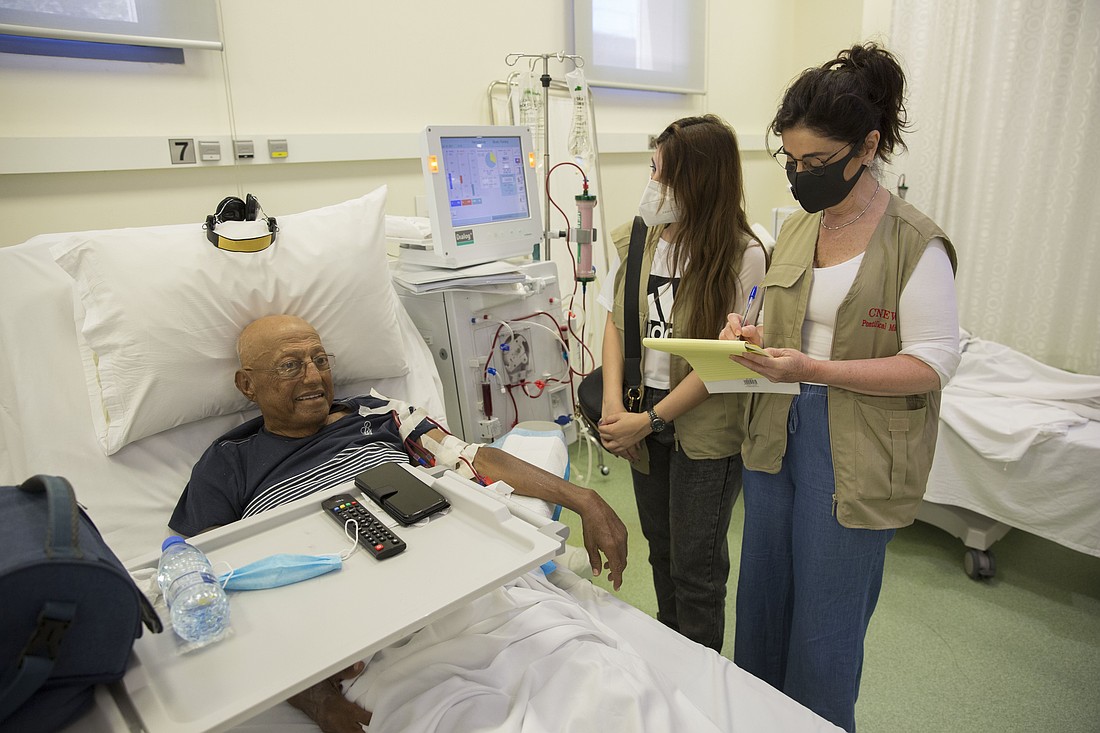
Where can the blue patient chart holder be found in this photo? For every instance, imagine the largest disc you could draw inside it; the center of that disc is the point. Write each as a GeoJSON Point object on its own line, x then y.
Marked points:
{"type": "Point", "coordinates": [483, 542]}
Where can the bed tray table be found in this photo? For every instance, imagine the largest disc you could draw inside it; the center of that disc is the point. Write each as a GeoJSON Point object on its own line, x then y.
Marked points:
{"type": "Point", "coordinates": [287, 639]}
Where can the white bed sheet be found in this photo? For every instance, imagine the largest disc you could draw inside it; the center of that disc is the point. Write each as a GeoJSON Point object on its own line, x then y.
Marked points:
{"type": "Point", "coordinates": [1051, 491]}
{"type": "Point", "coordinates": [444, 679]}
{"type": "Point", "coordinates": [45, 427]}
{"type": "Point", "coordinates": [1016, 444]}
{"type": "Point", "coordinates": [487, 669]}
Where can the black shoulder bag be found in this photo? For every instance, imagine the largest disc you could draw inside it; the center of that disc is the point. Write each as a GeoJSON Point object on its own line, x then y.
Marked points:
{"type": "Point", "coordinates": [590, 390]}
{"type": "Point", "coordinates": [70, 611]}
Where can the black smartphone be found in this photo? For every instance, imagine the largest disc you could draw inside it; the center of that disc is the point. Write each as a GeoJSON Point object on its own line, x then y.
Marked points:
{"type": "Point", "coordinates": [402, 495]}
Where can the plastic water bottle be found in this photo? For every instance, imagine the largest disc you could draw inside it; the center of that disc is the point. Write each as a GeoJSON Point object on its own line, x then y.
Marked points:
{"type": "Point", "coordinates": [197, 602]}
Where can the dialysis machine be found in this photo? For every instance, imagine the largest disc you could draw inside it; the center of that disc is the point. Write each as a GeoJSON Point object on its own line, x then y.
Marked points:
{"type": "Point", "coordinates": [502, 352]}
{"type": "Point", "coordinates": [500, 355]}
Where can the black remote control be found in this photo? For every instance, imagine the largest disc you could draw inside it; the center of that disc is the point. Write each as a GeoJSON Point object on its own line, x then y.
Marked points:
{"type": "Point", "coordinates": [374, 536]}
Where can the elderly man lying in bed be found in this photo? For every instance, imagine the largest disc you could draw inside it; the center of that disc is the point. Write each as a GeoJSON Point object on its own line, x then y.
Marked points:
{"type": "Point", "coordinates": [304, 442]}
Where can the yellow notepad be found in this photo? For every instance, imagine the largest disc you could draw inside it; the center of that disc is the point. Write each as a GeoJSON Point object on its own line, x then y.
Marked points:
{"type": "Point", "coordinates": [710, 360]}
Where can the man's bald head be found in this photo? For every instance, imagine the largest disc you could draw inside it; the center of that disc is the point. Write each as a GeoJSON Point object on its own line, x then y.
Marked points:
{"type": "Point", "coordinates": [257, 337]}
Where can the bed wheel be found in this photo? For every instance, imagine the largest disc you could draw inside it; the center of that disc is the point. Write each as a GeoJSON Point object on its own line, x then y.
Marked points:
{"type": "Point", "coordinates": [979, 564]}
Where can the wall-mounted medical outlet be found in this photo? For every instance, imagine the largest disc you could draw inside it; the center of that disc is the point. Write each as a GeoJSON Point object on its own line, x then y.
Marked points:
{"type": "Point", "coordinates": [210, 150]}
{"type": "Point", "coordinates": [277, 149]}
{"type": "Point", "coordinates": [244, 149]}
{"type": "Point", "coordinates": [181, 150]}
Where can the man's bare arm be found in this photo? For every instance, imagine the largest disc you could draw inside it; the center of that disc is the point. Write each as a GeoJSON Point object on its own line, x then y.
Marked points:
{"type": "Point", "coordinates": [326, 705]}
{"type": "Point", "coordinates": [603, 531]}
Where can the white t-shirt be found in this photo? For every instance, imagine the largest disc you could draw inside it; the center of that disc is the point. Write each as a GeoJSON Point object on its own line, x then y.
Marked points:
{"type": "Point", "coordinates": [930, 332]}
{"type": "Point", "coordinates": [661, 295]}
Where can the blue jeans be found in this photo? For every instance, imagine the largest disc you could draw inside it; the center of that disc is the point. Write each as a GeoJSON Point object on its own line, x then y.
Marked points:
{"type": "Point", "coordinates": [685, 506]}
{"type": "Point", "coordinates": [807, 585]}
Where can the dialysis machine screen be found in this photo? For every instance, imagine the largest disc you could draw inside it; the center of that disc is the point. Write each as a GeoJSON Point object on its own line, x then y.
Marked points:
{"type": "Point", "coordinates": [484, 179]}
{"type": "Point", "coordinates": [482, 195]}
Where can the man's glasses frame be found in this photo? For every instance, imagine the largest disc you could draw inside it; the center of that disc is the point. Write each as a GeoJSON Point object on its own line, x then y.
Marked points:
{"type": "Point", "coordinates": [295, 368]}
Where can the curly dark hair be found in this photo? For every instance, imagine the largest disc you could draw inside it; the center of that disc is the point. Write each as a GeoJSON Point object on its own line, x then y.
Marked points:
{"type": "Point", "coordinates": [861, 90]}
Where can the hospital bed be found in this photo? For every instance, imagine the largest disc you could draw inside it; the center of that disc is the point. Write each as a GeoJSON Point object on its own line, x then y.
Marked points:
{"type": "Point", "coordinates": [123, 405]}
{"type": "Point", "coordinates": [1018, 447]}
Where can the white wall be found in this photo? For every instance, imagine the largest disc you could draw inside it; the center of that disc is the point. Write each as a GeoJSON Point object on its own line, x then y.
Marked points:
{"type": "Point", "coordinates": [368, 68]}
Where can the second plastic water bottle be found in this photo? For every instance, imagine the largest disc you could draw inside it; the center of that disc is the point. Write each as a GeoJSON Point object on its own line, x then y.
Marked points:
{"type": "Point", "coordinates": [197, 602]}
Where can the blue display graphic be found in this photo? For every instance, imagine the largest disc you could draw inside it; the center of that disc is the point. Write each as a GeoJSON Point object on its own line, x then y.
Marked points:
{"type": "Point", "coordinates": [485, 179]}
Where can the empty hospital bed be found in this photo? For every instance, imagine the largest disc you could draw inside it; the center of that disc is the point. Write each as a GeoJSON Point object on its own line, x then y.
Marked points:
{"type": "Point", "coordinates": [1018, 447]}
{"type": "Point", "coordinates": [121, 388]}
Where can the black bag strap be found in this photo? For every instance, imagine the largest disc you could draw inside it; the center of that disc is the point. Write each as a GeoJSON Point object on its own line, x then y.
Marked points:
{"type": "Point", "coordinates": [62, 515]}
{"type": "Point", "coordinates": [632, 340]}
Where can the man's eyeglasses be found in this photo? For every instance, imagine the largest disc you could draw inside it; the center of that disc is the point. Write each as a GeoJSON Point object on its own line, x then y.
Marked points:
{"type": "Point", "coordinates": [815, 164]}
{"type": "Point", "coordinates": [294, 368]}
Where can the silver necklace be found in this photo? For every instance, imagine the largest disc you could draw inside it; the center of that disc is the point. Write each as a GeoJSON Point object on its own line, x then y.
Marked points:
{"type": "Point", "coordinates": [853, 221]}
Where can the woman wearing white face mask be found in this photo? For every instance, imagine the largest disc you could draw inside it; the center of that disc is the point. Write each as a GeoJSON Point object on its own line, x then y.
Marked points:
{"type": "Point", "coordinates": [684, 445]}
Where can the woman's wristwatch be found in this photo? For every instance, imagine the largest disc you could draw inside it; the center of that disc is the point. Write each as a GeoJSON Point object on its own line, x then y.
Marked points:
{"type": "Point", "coordinates": [656, 424]}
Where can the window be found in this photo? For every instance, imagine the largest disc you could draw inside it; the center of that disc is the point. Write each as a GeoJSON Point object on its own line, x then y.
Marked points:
{"type": "Point", "coordinates": [657, 45]}
{"type": "Point", "coordinates": [65, 27]}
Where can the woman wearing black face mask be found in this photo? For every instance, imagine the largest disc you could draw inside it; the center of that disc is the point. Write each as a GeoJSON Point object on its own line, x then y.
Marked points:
{"type": "Point", "coordinates": [859, 308]}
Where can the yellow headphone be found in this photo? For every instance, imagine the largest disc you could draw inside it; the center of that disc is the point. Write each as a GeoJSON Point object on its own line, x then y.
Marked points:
{"type": "Point", "coordinates": [232, 208]}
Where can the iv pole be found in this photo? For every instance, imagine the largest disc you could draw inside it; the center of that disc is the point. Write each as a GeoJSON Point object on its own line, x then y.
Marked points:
{"type": "Point", "coordinates": [512, 59]}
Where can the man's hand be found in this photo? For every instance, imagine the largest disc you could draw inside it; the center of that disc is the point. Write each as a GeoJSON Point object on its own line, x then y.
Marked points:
{"type": "Point", "coordinates": [326, 705]}
{"type": "Point", "coordinates": [603, 533]}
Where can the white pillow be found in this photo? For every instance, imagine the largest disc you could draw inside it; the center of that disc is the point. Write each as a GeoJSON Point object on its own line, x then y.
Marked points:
{"type": "Point", "coordinates": [159, 310]}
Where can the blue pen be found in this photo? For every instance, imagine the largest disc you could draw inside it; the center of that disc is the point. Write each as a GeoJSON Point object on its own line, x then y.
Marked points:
{"type": "Point", "coordinates": [748, 305]}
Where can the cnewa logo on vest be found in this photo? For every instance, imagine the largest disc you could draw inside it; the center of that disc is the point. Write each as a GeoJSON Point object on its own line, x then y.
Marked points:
{"type": "Point", "coordinates": [464, 236]}
{"type": "Point", "coordinates": [879, 318]}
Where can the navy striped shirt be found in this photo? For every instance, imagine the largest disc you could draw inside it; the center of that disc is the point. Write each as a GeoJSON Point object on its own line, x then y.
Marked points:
{"type": "Point", "coordinates": [249, 470]}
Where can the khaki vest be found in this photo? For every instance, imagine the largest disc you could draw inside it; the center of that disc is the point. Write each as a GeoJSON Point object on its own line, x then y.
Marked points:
{"type": "Point", "coordinates": [882, 446]}
{"type": "Point", "coordinates": [716, 427]}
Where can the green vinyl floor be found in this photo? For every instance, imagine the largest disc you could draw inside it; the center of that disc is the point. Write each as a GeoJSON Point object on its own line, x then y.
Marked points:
{"type": "Point", "coordinates": [1018, 652]}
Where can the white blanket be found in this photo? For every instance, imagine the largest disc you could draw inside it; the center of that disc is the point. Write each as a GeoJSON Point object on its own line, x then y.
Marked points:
{"type": "Point", "coordinates": [524, 657]}
{"type": "Point", "coordinates": [1002, 402]}
{"type": "Point", "coordinates": [528, 658]}
{"type": "Point", "coordinates": [555, 653]}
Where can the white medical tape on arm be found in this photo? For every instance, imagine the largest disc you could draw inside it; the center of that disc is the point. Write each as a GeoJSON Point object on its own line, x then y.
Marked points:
{"type": "Point", "coordinates": [451, 452]}
{"type": "Point", "coordinates": [437, 449]}
{"type": "Point", "coordinates": [470, 450]}
{"type": "Point", "coordinates": [411, 422]}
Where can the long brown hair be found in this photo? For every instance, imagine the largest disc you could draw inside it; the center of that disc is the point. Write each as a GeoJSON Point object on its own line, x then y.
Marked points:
{"type": "Point", "coordinates": [701, 163]}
